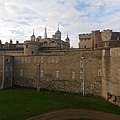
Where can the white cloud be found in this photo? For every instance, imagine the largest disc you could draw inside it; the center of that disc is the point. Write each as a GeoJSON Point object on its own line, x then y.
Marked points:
{"type": "Point", "coordinates": [20, 17]}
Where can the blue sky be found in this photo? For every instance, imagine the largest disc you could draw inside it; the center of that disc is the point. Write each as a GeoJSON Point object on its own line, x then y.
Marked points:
{"type": "Point", "coordinates": [20, 17]}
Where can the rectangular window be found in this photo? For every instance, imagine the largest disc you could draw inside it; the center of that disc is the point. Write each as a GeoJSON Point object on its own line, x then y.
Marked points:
{"type": "Point", "coordinates": [41, 74]}
{"type": "Point", "coordinates": [32, 52]}
{"type": "Point", "coordinates": [26, 46]}
{"type": "Point", "coordinates": [8, 59]}
{"type": "Point", "coordinates": [106, 44]}
{"type": "Point", "coordinates": [57, 74]}
{"type": "Point", "coordinates": [81, 64]}
{"type": "Point", "coordinates": [41, 59]}
{"type": "Point", "coordinates": [95, 45]}
{"type": "Point", "coordinates": [92, 87]}
{"type": "Point", "coordinates": [118, 38]}
{"type": "Point", "coordinates": [73, 75]}
{"type": "Point", "coordinates": [99, 73]}
{"type": "Point", "coordinates": [81, 75]}
{"type": "Point", "coordinates": [21, 72]}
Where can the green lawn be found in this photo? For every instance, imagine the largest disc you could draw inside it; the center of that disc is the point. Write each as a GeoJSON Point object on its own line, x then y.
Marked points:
{"type": "Point", "coordinates": [20, 104]}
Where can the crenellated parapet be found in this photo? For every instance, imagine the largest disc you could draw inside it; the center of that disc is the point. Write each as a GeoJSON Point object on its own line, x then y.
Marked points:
{"type": "Point", "coordinates": [85, 41]}
{"type": "Point", "coordinates": [85, 36]}
{"type": "Point", "coordinates": [106, 35]}
{"type": "Point", "coordinates": [99, 39]}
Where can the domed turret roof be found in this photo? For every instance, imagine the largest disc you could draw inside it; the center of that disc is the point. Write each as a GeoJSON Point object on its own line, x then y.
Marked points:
{"type": "Point", "coordinates": [58, 32]}
{"type": "Point", "coordinates": [33, 34]}
{"type": "Point", "coordinates": [67, 38]}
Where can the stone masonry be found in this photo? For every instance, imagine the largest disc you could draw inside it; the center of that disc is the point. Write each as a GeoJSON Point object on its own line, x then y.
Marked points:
{"type": "Point", "coordinates": [92, 69]}
{"type": "Point", "coordinates": [61, 72]}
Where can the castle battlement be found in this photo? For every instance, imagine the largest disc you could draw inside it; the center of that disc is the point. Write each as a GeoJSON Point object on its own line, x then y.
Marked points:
{"type": "Point", "coordinates": [97, 39]}
{"type": "Point", "coordinates": [108, 30]}
{"type": "Point", "coordinates": [85, 36]}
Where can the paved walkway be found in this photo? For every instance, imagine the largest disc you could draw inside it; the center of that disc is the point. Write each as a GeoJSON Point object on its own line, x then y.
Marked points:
{"type": "Point", "coordinates": [68, 114]}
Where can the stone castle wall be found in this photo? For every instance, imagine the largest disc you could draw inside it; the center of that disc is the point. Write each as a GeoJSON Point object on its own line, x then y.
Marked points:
{"type": "Point", "coordinates": [111, 75]}
{"type": "Point", "coordinates": [1, 70]}
{"type": "Point", "coordinates": [6, 71]}
{"type": "Point", "coordinates": [61, 72]}
{"type": "Point", "coordinates": [113, 84]}
{"type": "Point", "coordinates": [66, 71]}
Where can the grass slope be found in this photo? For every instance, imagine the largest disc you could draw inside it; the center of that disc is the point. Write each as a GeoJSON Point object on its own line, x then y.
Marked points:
{"type": "Point", "coordinates": [20, 104]}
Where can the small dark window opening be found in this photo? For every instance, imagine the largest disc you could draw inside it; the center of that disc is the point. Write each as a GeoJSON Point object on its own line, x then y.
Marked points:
{"type": "Point", "coordinates": [8, 60]}
{"type": "Point", "coordinates": [26, 46]}
{"type": "Point", "coordinates": [85, 46]}
{"type": "Point", "coordinates": [95, 45]}
{"type": "Point", "coordinates": [32, 52]}
{"type": "Point", "coordinates": [118, 38]}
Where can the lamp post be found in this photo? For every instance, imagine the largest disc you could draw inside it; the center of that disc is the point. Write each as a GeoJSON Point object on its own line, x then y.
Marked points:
{"type": "Point", "coordinates": [83, 59]}
{"type": "Point", "coordinates": [3, 78]}
{"type": "Point", "coordinates": [38, 80]}
{"type": "Point", "coordinates": [84, 62]}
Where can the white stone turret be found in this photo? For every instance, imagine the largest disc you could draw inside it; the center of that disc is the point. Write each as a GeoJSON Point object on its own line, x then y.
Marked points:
{"type": "Point", "coordinates": [67, 39]}
{"type": "Point", "coordinates": [58, 34]}
{"type": "Point", "coordinates": [33, 36]}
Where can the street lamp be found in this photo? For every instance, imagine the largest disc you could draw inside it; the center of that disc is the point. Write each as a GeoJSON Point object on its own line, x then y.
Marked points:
{"type": "Point", "coordinates": [83, 60]}
{"type": "Point", "coordinates": [38, 80]}
{"type": "Point", "coordinates": [3, 78]}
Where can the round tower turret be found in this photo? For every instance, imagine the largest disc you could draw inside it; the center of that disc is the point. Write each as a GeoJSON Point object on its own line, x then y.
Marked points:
{"type": "Point", "coordinates": [33, 37]}
{"type": "Point", "coordinates": [67, 39]}
{"type": "Point", "coordinates": [58, 34]}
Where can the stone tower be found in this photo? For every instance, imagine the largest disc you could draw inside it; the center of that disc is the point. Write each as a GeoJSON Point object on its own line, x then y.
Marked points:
{"type": "Point", "coordinates": [31, 47]}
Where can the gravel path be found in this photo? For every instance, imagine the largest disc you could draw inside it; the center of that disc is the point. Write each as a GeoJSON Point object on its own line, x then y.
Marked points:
{"type": "Point", "coordinates": [68, 114]}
